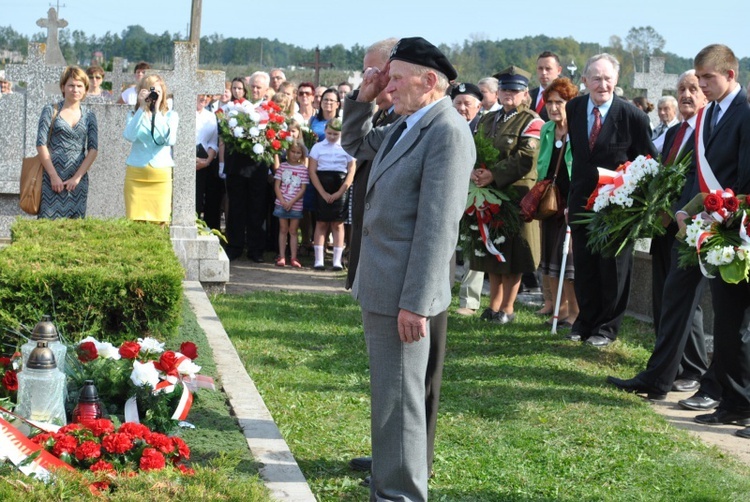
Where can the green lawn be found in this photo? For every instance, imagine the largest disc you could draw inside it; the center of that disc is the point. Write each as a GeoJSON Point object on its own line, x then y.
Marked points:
{"type": "Point", "coordinates": [524, 415]}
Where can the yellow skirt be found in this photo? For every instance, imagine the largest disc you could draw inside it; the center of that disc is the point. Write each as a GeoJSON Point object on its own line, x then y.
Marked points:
{"type": "Point", "coordinates": [148, 193]}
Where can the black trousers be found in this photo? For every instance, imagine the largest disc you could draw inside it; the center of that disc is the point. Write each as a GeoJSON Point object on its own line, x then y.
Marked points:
{"type": "Point", "coordinates": [247, 212]}
{"type": "Point", "coordinates": [209, 193]}
{"type": "Point", "coordinates": [680, 347]}
{"type": "Point", "coordinates": [602, 287]}
{"type": "Point", "coordinates": [731, 360]}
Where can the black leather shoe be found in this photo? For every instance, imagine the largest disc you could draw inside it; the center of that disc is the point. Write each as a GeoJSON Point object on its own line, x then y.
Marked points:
{"type": "Point", "coordinates": [636, 386]}
{"type": "Point", "coordinates": [574, 336]}
{"type": "Point", "coordinates": [598, 341]}
{"type": "Point", "coordinates": [699, 402]}
{"type": "Point", "coordinates": [743, 433]}
{"type": "Point", "coordinates": [366, 482]}
{"type": "Point", "coordinates": [363, 464]}
{"type": "Point", "coordinates": [719, 417]}
{"type": "Point", "coordinates": [685, 385]}
{"type": "Point", "coordinates": [488, 314]}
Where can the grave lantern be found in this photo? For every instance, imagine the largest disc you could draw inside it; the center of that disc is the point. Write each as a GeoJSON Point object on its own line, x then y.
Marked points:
{"type": "Point", "coordinates": [41, 388]}
{"type": "Point", "coordinates": [45, 331]}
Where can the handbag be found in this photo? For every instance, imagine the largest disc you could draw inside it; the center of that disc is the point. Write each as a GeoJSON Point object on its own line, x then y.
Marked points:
{"type": "Point", "coordinates": [543, 200]}
{"type": "Point", "coordinates": [32, 172]}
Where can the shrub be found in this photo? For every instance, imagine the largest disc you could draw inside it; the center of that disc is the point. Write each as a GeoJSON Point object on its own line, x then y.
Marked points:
{"type": "Point", "coordinates": [113, 279]}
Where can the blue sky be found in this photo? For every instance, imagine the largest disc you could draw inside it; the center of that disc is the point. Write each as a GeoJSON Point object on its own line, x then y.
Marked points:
{"type": "Point", "coordinates": [309, 23]}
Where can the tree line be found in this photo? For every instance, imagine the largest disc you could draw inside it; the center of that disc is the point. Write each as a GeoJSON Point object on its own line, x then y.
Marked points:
{"type": "Point", "coordinates": [474, 59]}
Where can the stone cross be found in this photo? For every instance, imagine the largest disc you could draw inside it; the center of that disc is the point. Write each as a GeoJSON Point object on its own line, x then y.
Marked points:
{"type": "Point", "coordinates": [53, 23]}
{"type": "Point", "coordinates": [118, 77]}
{"type": "Point", "coordinates": [654, 82]}
{"type": "Point", "coordinates": [355, 79]}
{"type": "Point", "coordinates": [36, 74]}
{"type": "Point", "coordinates": [185, 82]}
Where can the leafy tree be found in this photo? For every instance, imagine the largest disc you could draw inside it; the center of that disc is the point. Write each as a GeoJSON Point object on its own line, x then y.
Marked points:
{"type": "Point", "coordinates": [642, 42]}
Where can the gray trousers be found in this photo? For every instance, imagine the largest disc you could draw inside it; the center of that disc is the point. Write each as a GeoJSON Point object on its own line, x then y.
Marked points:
{"type": "Point", "coordinates": [398, 419]}
{"type": "Point", "coordinates": [470, 292]}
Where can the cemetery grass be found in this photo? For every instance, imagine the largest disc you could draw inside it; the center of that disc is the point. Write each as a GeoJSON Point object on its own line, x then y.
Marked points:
{"type": "Point", "coordinates": [525, 415]}
{"type": "Point", "coordinates": [224, 466]}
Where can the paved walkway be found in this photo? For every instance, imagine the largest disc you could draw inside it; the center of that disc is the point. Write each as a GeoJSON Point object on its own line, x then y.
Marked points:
{"type": "Point", "coordinates": [246, 276]}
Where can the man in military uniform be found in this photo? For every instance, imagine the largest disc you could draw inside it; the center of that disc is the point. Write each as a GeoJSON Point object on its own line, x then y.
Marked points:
{"type": "Point", "coordinates": [514, 130]}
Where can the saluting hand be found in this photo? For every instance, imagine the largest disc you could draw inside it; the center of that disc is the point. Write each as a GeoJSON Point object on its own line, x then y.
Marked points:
{"type": "Point", "coordinates": [373, 83]}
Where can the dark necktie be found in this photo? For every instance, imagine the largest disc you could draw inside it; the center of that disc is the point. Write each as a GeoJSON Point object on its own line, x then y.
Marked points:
{"type": "Point", "coordinates": [715, 110]}
{"type": "Point", "coordinates": [596, 128]}
{"type": "Point", "coordinates": [677, 143]}
{"type": "Point", "coordinates": [394, 137]}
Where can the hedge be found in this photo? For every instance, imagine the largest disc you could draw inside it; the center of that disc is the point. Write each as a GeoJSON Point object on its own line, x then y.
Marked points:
{"type": "Point", "coordinates": [112, 279]}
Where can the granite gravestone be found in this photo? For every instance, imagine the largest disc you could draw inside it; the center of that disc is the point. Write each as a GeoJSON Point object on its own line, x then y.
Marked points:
{"type": "Point", "coordinates": [654, 82]}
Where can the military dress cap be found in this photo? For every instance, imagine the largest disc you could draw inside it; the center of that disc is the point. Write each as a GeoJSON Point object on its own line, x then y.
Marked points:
{"type": "Point", "coordinates": [466, 88]}
{"type": "Point", "coordinates": [513, 78]}
{"type": "Point", "coordinates": [419, 51]}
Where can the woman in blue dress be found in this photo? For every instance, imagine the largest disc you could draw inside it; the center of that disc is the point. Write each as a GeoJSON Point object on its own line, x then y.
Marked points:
{"type": "Point", "coordinates": [68, 150]}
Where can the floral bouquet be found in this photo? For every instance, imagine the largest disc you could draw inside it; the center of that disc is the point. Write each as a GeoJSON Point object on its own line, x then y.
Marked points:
{"type": "Point", "coordinates": [9, 376]}
{"type": "Point", "coordinates": [259, 132]}
{"type": "Point", "coordinates": [96, 446]}
{"type": "Point", "coordinates": [308, 136]}
{"type": "Point", "coordinates": [717, 239]}
{"type": "Point", "coordinates": [487, 220]}
{"type": "Point", "coordinates": [631, 202]}
{"type": "Point", "coordinates": [139, 379]}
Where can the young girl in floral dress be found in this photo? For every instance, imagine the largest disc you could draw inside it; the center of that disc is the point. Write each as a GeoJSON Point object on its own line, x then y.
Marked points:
{"type": "Point", "coordinates": [291, 180]}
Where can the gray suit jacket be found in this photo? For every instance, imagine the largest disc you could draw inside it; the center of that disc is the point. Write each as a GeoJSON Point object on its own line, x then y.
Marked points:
{"type": "Point", "coordinates": [415, 198]}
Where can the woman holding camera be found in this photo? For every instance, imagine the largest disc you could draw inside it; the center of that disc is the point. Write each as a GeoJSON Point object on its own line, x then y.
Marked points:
{"type": "Point", "coordinates": [152, 129]}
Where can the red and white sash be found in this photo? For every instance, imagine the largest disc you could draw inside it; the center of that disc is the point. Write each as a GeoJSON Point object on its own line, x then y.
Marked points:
{"type": "Point", "coordinates": [706, 177]}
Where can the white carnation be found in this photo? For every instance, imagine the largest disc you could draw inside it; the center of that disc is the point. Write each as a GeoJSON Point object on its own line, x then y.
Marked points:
{"type": "Point", "coordinates": [474, 227]}
{"type": "Point", "coordinates": [479, 252]}
{"type": "Point", "coordinates": [258, 149]}
{"type": "Point", "coordinates": [499, 240]}
{"type": "Point", "coordinates": [238, 131]}
{"type": "Point", "coordinates": [233, 113]}
{"type": "Point", "coordinates": [152, 345]}
{"type": "Point", "coordinates": [108, 351]}
{"type": "Point", "coordinates": [144, 373]}
{"type": "Point", "coordinates": [253, 132]}
{"type": "Point", "coordinates": [254, 116]}
{"type": "Point", "coordinates": [232, 122]}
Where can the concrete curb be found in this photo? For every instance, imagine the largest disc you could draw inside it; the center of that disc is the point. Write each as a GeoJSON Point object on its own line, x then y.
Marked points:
{"type": "Point", "coordinates": [279, 469]}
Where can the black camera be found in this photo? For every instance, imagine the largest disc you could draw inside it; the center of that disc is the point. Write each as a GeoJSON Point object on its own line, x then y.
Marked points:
{"type": "Point", "coordinates": [152, 95]}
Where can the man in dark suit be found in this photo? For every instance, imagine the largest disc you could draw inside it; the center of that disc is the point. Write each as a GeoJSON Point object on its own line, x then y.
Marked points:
{"type": "Point", "coordinates": [723, 156]}
{"type": "Point", "coordinates": [679, 359]}
{"type": "Point", "coordinates": [605, 131]}
{"type": "Point", "coordinates": [377, 56]}
{"type": "Point", "coordinates": [548, 68]}
{"type": "Point", "coordinates": [415, 197]}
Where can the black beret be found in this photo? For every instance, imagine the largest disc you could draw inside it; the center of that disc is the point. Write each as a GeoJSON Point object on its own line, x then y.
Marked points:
{"type": "Point", "coordinates": [419, 51]}
{"type": "Point", "coordinates": [466, 88]}
{"type": "Point", "coordinates": [513, 78]}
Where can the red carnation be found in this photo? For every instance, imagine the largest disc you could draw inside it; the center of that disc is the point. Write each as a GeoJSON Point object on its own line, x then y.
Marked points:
{"type": "Point", "coordinates": [152, 460]}
{"type": "Point", "coordinates": [87, 352]}
{"type": "Point", "coordinates": [279, 119]}
{"type": "Point", "coordinates": [713, 202]}
{"type": "Point", "coordinates": [188, 349]}
{"type": "Point", "coordinates": [42, 438]}
{"type": "Point", "coordinates": [88, 450]}
{"type": "Point", "coordinates": [102, 466]}
{"type": "Point", "coordinates": [64, 444]}
{"type": "Point", "coordinates": [134, 430]}
{"type": "Point", "coordinates": [100, 426]}
{"type": "Point", "coordinates": [161, 442]}
{"type": "Point", "coordinates": [276, 144]}
{"type": "Point", "coordinates": [270, 134]}
{"type": "Point", "coordinates": [182, 448]}
{"type": "Point", "coordinates": [4, 361]}
{"type": "Point", "coordinates": [187, 471]}
{"type": "Point", "coordinates": [129, 350]}
{"type": "Point", "coordinates": [117, 443]}
{"type": "Point", "coordinates": [167, 363]}
{"type": "Point", "coordinates": [69, 428]}
{"type": "Point", "coordinates": [10, 380]}
{"type": "Point", "coordinates": [731, 203]}
{"type": "Point", "coordinates": [283, 134]}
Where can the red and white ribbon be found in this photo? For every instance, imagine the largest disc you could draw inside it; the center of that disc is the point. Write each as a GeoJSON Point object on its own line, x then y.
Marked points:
{"type": "Point", "coordinates": [484, 231]}
{"type": "Point", "coordinates": [18, 448]}
{"type": "Point", "coordinates": [706, 178]}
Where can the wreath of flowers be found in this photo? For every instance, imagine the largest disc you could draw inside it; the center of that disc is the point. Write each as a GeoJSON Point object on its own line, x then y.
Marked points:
{"type": "Point", "coordinates": [97, 446]}
{"type": "Point", "coordinates": [140, 369]}
{"type": "Point", "coordinates": [718, 239]}
{"type": "Point", "coordinates": [259, 132]}
{"type": "Point", "coordinates": [631, 202]}
{"type": "Point", "coordinates": [487, 220]}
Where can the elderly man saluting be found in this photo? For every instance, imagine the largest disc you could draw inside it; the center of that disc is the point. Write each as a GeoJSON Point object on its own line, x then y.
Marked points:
{"type": "Point", "coordinates": [416, 194]}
